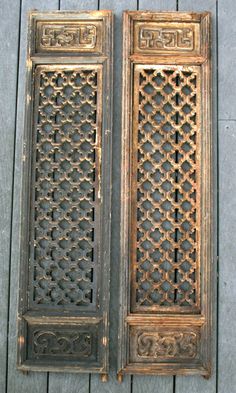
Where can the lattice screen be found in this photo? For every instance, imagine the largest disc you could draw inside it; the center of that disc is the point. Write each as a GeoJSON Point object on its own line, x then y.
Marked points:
{"type": "Point", "coordinates": [64, 298]}
{"type": "Point", "coordinates": [166, 195]}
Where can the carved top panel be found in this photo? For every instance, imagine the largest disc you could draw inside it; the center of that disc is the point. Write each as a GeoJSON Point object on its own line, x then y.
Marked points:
{"type": "Point", "coordinates": [69, 36]}
{"type": "Point", "coordinates": [166, 38]}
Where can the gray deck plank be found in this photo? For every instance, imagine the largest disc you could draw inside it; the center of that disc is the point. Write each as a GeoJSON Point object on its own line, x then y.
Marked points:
{"type": "Point", "coordinates": [154, 384]}
{"type": "Point", "coordinates": [10, 13]}
{"type": "Point", "coordinates": [227, 58]}
{"type": "Point", "coordinates": [96, 385]}
{"type": "Point", "coordinates": [74, 383]}
{"type": "Point", "coordinates": [157, 5]}
{"type": "Point", "coordinates": [68, 382]}
{"type": "Point", "coordinates": [18, 382]}
{"type": "Point", "coordinates": [196, 384]}
{"type": "Point", "coordinates": [79, 5]}
{"type": "Point", "coordinates": [227, 251]}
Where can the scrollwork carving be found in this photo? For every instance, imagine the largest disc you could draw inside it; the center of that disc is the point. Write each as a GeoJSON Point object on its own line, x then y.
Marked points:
{"type": "Point", "coordinates": [62, 343]}
{"type": "Point", "coordinates": [167, 344]}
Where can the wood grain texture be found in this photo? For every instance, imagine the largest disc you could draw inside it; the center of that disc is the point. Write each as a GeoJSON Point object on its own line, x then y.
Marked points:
{"type": "Point", "coordinates": [79, 5]}
{"type": "Point", "coordinates": [18, 382]}
{"type": "Point", "coordinates": [227, 252]}
{"type": "Point", "coordinates": [227, 58]}
{"type": "Point", "coordinates": [157, 5]}
{"type": "Point", "coordinates": [150, 384]}
{"type": "Point", "coordinates": [10, 14]}
{"type": "Point", "coordinates": [68, 383]}
{"type": "Point", "coordinates": [197, 383]}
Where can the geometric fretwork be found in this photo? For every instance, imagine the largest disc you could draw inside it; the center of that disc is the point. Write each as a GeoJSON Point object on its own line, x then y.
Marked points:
{"type": "Point", "coordinates": [65, 190]}
{"type": "Point", "coordinates": [164, 161]}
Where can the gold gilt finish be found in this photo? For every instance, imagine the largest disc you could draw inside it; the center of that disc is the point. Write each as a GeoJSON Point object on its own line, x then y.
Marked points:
{"type": "Point", "coordinates": [165, 315]}
{"type": "Point", "coordinates": [64, 283]}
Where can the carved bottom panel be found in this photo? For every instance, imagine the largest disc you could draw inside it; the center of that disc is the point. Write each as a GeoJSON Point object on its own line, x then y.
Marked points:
{"type": "Point", "coordinates": [160, 344]}
{"type": "Point", "coordinates": [60, 342]}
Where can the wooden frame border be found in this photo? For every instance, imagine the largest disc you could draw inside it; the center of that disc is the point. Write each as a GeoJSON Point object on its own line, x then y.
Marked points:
{"type": "Point", "coordinates": [202, 321]}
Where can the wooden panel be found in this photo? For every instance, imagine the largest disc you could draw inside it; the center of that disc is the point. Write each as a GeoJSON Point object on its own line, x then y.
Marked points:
{"type": "Point", "coordinates": [162, 161]}
{"type": "Point", "coordinates": [65, 293]}
{"type": "Point", "coordinates": [227, 57]}
{"type": "Point", "coordinates": [227, 249]}
{"type": "Point", "coordinates": [10, 14]}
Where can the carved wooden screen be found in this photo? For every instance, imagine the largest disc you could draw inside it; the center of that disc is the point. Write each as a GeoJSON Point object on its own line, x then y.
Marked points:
{"type": "Point", "coordinates": [166, 195]}
{"type": "Point", "coordinates": [64, 283]}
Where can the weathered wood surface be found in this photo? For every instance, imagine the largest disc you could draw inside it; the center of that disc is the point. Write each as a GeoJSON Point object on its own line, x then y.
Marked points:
{"type": "Point", "coordinates": [227, 58]}
{"type": "Point", "coordinates": [224, 377]}
{"type": "Point", "coordinates": [227, 252]}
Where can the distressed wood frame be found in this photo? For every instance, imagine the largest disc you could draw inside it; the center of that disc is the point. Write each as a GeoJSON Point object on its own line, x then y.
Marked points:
{"type": "Point", "coordinates": [161, 327]}
{"type": "Point", "coordinates": [71, 41]}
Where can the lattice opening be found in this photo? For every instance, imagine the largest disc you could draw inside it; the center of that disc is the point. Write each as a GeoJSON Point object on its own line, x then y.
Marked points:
{"type": "Point", "coordinates": [166, 189]}
{"type": "Point", "coordinates": [65, 189]}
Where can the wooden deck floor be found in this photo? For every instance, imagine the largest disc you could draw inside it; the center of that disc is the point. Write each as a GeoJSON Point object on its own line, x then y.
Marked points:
{"type": "Point", "coordinates": [13, 33]}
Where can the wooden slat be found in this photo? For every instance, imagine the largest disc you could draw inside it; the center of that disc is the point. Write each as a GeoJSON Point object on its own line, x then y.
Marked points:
{"type": "Point", "coordinates": [18, 382]}
{"type": "Point", "coordinates": [68, 383]}
{"type": "Point", "coordinates": [227, 58]}
{"type": "Point", "coordinates": [227, 252]}
{"type": "Point", "coordinates": [157, 5]}
{"type": "Point", "coordinates": [79, 5]}
{"type": "Point", "coordinates": [112, 386]}
{"type": "Point", "coordinates": [10, 13]}
{"type": "Point", "coordinates": [196, 384]}
{"type": "Point", "coordinates": [148, 384]}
